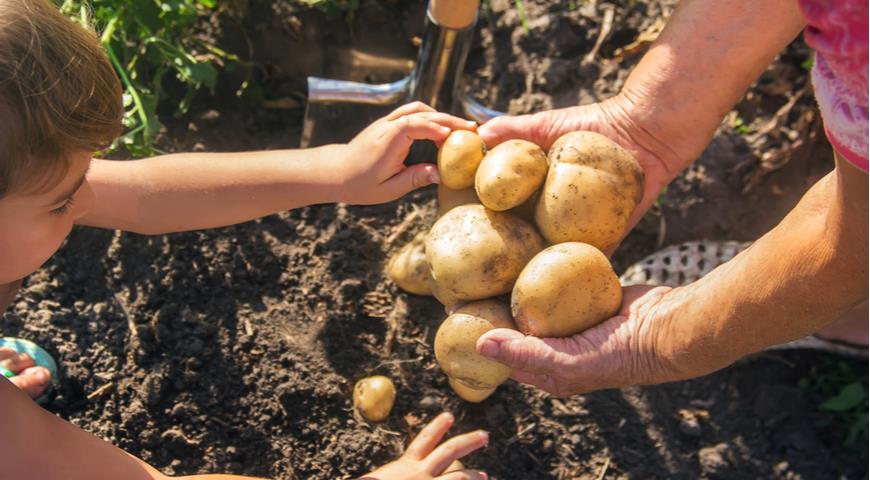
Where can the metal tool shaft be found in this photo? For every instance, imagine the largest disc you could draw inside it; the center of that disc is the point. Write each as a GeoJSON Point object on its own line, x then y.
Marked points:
{"type": "Point", "coordinates": [435, 80]}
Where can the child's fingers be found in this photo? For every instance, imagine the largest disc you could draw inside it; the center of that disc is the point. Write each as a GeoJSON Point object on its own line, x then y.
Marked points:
{"type": "Point", "coordinates": [447, 120]}
{"type": "Point", "coordinates": [464, 475]}
{"type": "Point", "coordinates": [410, 178]}
{"type": "Point", "coordinates": [429, 437]}
{"type": "Point", "coordinates": [418, 127]}
{"type": "Point", "coordinates": [454, 449]}
{"type": "Point", "coordinates": [407, 109]}
{"type": "Point", "coordinates": [16, 361]}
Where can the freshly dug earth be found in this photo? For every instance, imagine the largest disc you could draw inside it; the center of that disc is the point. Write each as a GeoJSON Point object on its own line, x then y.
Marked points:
{"type": "Point", "coordinates": [237, 349]}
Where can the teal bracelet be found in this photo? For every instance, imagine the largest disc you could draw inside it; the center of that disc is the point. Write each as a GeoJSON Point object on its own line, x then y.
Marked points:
{"type": "Point", "coordinates": [6, 372]}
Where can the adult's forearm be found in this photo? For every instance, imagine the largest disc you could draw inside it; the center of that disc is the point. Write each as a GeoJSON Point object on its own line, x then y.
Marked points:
{"type": "Point", "coordinates": [192, 191]}
{"type": "Point", "coordinates": [700, 66]}
{"type": "Point", "coordinates": [801, 276]}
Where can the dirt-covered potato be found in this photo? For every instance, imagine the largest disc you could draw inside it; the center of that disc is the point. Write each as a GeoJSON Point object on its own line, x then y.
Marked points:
{"type": "Point", "coordinates": [455, 344]}
{"type": "Point", "coordinates": [471, 395]}
{"type": "Point", "coordinates": [591, 190]}
{"type": "Point", "coordinates": [408, 268]}
{"type": "Point", "coordinates": [458, 158]}
{"type": "Point", "coordinates": [509, 174]}
{"type": "Point", "coordinates": [564, 290]}
{"type": "Point", "coordinates": [449, 198]}
{"type": "Point", "coordinates": [476, 253]}
{"type": "Point", "coordinates": [373, 397]}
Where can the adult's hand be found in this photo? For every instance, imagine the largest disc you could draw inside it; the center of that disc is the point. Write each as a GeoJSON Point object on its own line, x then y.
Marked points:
{"type": "Point", "coordinates": [611, 118]}
{"type": "Point", "coordinates": [676, 97]}
{"type": "Point", "coordinates": [625, 350]}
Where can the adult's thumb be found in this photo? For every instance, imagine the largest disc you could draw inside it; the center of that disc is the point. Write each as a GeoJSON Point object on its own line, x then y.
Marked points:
{"type": "Point", "coordinates": [518, 351]}
{"type": "Point", "coordinates": [503, 128]}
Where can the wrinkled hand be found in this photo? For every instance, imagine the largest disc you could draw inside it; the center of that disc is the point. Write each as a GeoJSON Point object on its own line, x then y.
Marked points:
{"type": "Point", "coordinates": [371, 165]}
{"type": "Point", "coordinates": [425, 459]}
{"type": "Point", "coordinates": [624, 350]}
{"type": "Point", "coordinates": [611, 118]}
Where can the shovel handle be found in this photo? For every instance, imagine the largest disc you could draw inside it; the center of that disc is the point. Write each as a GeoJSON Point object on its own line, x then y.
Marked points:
{"type": "Point", "coordinates": [454, 14]}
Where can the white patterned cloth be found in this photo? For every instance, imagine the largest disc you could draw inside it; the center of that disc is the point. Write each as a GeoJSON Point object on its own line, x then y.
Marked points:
{"type": "Point", "coordinates": [838, 32]}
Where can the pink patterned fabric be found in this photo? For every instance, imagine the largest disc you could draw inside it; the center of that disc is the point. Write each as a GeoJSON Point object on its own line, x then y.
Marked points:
{"type": "Point", "coordinates": [837, 31]}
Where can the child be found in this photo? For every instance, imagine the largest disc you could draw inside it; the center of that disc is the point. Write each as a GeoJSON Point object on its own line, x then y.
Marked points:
{"type": "Point", "coordinates": [60, 101]}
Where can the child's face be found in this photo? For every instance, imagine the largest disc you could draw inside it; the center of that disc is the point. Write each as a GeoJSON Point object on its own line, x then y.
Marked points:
{"type": "Point", "coordinates": [33, 226]}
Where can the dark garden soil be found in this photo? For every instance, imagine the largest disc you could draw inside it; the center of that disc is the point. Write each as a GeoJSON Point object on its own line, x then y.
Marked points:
{"type": "Point", "coordinates": [235, 350]}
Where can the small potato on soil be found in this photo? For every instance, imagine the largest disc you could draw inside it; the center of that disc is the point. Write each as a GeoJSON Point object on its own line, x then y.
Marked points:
{"type": "Point", "coordinates": [373, 397]}
{"type": "Point", "coordinates": [564, 290]}
{"type": "Point", "coordinates": [457, 337]}
{"type": "Point", "coordinates": [459, 157]}
{"type": "Point", "coordinates": [408, 268]}
{"type": "Point", "coordinates": [476, 253]}
{"type": "Point", "coordinates": [591, 190]}
{"type": "Point", "coordinates": [509, 174]}
{"type": "Point", "coordinates": [471, 395]}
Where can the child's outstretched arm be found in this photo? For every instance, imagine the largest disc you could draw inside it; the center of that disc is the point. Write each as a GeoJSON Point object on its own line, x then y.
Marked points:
{"type": "Point", "coordinates": [37, 445]}
{"type": "Point", "coordinates": [192, 191]}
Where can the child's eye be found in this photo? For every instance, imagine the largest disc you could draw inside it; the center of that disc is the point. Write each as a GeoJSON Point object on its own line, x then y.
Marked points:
{"type": "Point", "coordinates": [61, 210]}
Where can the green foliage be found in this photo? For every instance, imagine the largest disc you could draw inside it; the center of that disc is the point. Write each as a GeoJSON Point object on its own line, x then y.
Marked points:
{"type": "Point", "coordinates": [845, 392]}
{"type": "Point", "coordinates": [741, 126]}
{"type": "Point", "coordinates": [146, 40]}
{"type": "Point", "coordinates": [521, 8]}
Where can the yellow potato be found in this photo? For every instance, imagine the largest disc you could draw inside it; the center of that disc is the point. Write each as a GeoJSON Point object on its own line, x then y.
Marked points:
{"type": "Point", "coordinates": [472, 395]}
{"type": "Point", "coordinates": [509, 174]}
{"type": "Point", "coordinates": [373, 397]}
{"type": "Point", "coordinates": [526, 211]}
{"type": "Point", "coordinates": [446, 298]}
{"type": "Point", "coordinates": [475, 253]}
{"type": "Point", "coordinates": [455, 344]}
{"type": "Point", "coordinates": [458, 158]}
{"type": "Point", "coordinates": [591, 190]}
{"type": "Point", "coordinates": [408, 268]}
{"type": "Point", "coordinates": [564, 290]}
{"type": "Point", "coordinates": [454, 466]}
{"type": "Point", "coordinates": [449, 198]}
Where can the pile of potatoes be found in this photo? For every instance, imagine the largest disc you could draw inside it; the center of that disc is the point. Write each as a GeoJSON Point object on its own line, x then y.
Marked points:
{"type": "Point", "coordinates": [516, 220]}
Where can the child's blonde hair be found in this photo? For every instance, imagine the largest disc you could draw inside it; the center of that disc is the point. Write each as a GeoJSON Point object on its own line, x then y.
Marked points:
{"type": "Point", "coordinates": [58, 95]}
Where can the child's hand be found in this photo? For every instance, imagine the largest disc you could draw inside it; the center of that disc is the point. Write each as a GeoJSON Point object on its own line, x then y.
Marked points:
{"type": "Point", "coordinates": [423, 461]}
{"type": "Point", "coordinates": [371, 165]}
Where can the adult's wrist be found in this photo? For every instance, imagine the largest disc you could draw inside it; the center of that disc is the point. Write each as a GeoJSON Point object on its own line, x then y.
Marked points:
{"type": "Point", "coordinates": [684, 348]}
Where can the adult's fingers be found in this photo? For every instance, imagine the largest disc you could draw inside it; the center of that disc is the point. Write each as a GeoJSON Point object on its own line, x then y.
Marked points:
{"type": "Point", "coordinates": [429, 437]}
{"type": "Point", "coordinates": [541, 128]}
{"type": "Point", "coordinates": [410, 178]}
{"type": "Point", "coordinates": [523, 352]}
{"type": "Point", "coordinates": [454, 449]}
{"type": "Point", "coordinates": [506, 127]}
{"type": "Point", "coordinates": [464, 475]}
